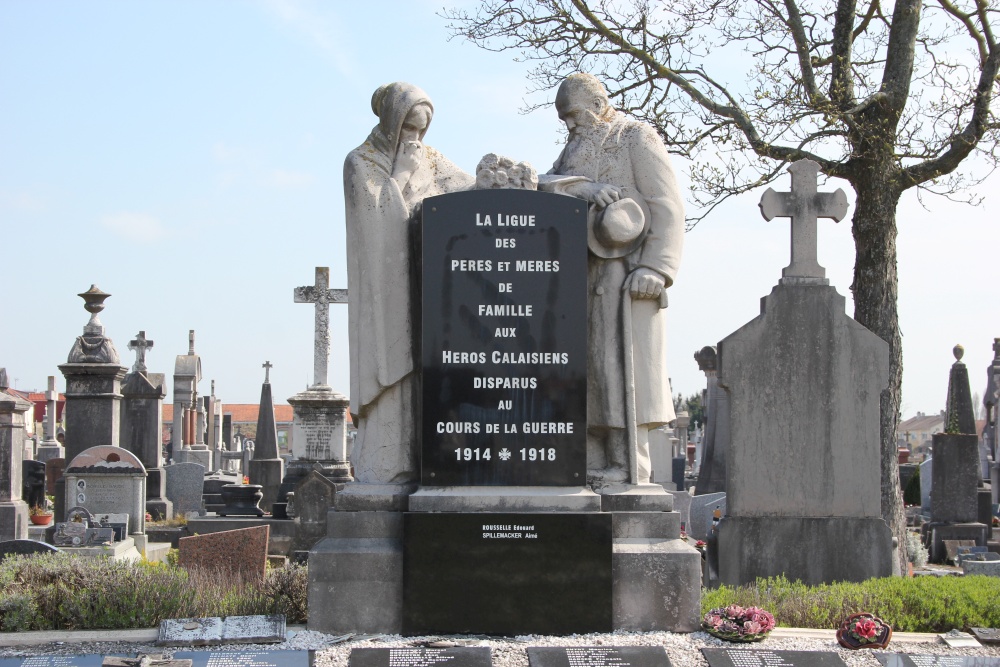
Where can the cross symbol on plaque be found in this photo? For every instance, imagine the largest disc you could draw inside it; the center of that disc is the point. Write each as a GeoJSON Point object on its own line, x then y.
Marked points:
{"type": "Point", "coordinates": [267, 366]}
{"type": "Point", "coordinates": [322, 296]}
{"type": "Point", "coordinates": [140, 345]}
{"type": "Point", "coordinates": [804, 206]}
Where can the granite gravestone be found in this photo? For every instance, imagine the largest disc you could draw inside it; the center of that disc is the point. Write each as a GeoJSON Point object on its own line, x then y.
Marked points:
{"type": "Point", "coordinates": [109, 480]}
{"type": "Point", "coordinates": [185, 483]}
{"type": "Point", "coordinates": [597, 656]}
{"type": "Point", "coordinates": [142, 425]}
{"type": "Point", "coordinates": [473, 656]}
{"type": "Point", "coordinates": [246, 658]}
{"type": "Point", "coordinates": [913, 660]}
{"type": "Point", "coordinates": [804, 381]}
{"type": "Point", "coordinates": [741, 657]}
{"type": "Point", "coordinates": [13, 510]}
{"type": "Point", "coordinates": [712, 471]}
{"type": "Point", "coordinates": [24, 547]}
{"type": "Point", "coordinates": [54, 661]}
{"type": "Point", "coordinates": [504, 339]}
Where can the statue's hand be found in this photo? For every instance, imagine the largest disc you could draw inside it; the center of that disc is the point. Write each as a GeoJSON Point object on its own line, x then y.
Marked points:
{"type": "Point", "coordinates": [408, 158]}
{"type": "Point", "coordinates": [600, 194]}
{"type": "Point", "coordinates": [645, 283]}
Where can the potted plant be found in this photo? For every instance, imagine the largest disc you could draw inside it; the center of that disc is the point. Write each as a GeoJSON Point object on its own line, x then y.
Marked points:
{"type": "Point", "coordinates": [40, 516]}
{"type": "Point", "coordinates": [738, 624]}
{"type": "Point", "coordinates": [864, 630]}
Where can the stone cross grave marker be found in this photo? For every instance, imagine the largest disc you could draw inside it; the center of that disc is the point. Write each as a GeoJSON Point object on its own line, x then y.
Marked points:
{"type": "Point", "coordinates": [322, 296]}
{"type": "Point", "coordinates": [140, 345]}
{"type": "Point", "coordinates": [267, 366]}
{"type": "Point", "coordinates": [804, 206]}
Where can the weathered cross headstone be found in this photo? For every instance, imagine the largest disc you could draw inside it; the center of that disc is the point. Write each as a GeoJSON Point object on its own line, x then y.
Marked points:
{"type": "Point", "coordinates": [803, 381]}
{"type": "Point", "coordinates": [712, 473]}
{"type": "Point", "coordinates": [49, 447]}
{"type": "Point", "coordinates": [804, 205]}
{"type": "Point", "coordinates": [142, 425]}
{"type": "Point", "coordinates": [13, 510]}
{"type": "Point", "coordinates": [319, 426]}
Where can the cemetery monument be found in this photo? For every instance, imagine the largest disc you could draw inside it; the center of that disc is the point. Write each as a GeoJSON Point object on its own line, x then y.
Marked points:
{"type": "Point", "coordinates": [13, 510]}
{"type": "Point", "coordinates": [532, 445]}
{"type": "Point", "coordinates": [803, 380]}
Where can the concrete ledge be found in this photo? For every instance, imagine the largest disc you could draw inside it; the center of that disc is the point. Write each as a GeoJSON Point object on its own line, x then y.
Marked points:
{"type": "Point", "coordinates": [635, 498]}
{"type": "Point", "coordinates": [655, 525]}
{"type": "Point", "coordinates": [526, 499]}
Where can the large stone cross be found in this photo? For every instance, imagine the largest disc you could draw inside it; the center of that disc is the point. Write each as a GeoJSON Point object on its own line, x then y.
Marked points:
{"type": "Point", "coordinates": [321, 295]}
{"type": "Point", "coordinates": [804, 206]}
{"type": "Point", "coordinates": [140, 345]}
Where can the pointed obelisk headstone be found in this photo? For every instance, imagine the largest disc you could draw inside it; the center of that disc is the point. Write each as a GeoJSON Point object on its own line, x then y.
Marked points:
{"type": "Point", "coordinates": [13, 510]}
{"type": "Point", "coordinates": [955, 486]}
{"type": "Point", "coordinates": [266, 467]}
{"type": "Point", "coordinates": [142, 425]}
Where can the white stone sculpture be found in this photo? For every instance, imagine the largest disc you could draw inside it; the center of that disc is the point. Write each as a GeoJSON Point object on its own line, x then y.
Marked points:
{"type": "Point", "coordinates": [635, 234]}
{"type": "Point", "coordinates": [385, 180]}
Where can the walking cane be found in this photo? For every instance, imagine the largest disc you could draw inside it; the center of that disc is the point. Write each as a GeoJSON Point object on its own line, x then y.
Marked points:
{"type": "Point", "coordinates": [631, 427]}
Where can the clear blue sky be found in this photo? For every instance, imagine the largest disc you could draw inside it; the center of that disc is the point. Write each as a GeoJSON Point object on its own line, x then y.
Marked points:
{"type": "Point", "coordinates": [187, 156]}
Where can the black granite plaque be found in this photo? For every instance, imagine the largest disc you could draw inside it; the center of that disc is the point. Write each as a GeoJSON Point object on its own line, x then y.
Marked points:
{"type": "Point", "coordinates": [597, 656]}
{"type": "Point", "coordinates": [504, 339]}
{"type": "Point", "coordinates": [54, 661]}
{"type": "Point", "coordinates": [473, 656]}
{"type": "Point", "coordinates": [246, 658]}
{"type": "Point", "coordinates": [506, 574]}
{"type": "Point", "coordinates": [984, 635]}
{"type": "Point", "coordinates": [905, 660]}
{"type": "Point", "coordinates": [746, 657]}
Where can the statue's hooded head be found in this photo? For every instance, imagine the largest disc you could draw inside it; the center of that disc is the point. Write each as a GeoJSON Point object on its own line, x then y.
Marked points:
{"type": "Point", "coordinates": [398, 104]}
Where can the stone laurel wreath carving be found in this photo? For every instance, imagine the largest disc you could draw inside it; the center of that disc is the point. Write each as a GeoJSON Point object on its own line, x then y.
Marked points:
{"type": "Point", "coordinates": [738, 624]}
{"type": "Point", "coordinates": [864, 630]}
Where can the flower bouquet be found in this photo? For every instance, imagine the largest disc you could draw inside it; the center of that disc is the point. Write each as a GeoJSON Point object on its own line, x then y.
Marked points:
{"type": "Point", "coordinates": [864, 630]}
{"type": "Point", "coordinates": [738, 624]}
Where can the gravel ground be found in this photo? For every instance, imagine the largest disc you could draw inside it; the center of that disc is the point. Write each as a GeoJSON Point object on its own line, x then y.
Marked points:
{"type": "Point", "coordinates": [684, 650]}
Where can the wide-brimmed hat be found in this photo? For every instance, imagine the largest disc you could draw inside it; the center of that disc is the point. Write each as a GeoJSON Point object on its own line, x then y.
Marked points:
{"type": "Point", "coordinates": [617, 230]}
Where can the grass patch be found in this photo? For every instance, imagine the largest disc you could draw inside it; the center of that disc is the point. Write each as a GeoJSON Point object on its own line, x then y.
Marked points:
{"type": "Point", "coordinates": [917, 604]}
{"type": "Point", "coordinates": [63, 592]}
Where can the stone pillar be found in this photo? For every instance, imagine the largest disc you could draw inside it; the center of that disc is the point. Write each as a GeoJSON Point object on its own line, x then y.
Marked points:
{"type": "Point", "coordinates": [93, 375]}
{"type": "Point", "coordinates": [266, 467]}
{"type": "Point", "coordinates": [13, 510]}
{"type": "Point", "coordinates": [142, 427]}
{"type": "Point", "coordinates": [49, 447]}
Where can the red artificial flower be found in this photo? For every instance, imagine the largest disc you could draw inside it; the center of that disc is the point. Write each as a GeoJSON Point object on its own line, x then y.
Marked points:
{"type": "Point", "coordinates": [866, 628]}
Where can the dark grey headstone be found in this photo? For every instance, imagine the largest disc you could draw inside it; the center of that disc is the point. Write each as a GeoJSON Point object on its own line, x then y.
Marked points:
{"type": "Point", "coordinates": [13, 547]}
{"type": "Point", "coordinates": [245, 658]}
{"type": "Point", "coordinates": [473, 656]}
{"type": "Point", "coordinates": [33, 483]}
{"type": "Point", "coordinates": [597, 656]}
{"type": "Point", "coordinates": [743, 657]}
{"type": "Point", "coordinates": [54, 661]}
{"type": "Point", "coordinates": [904, 660]}
{"type": "Point", "coordinates": [986, 635]}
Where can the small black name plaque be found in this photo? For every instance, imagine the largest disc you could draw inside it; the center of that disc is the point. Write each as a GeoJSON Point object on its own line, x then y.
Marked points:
{"type": "Point", "coordinates": [246, 658]}
{"type": "Point", "coordinates": [504, 339]}
{"type": "Point", "coordinates": [907, 660]}
{"type": "Point", "coordinates": [54, 661]}
{"type": "Point", "coordinates": [597, 656]}
{"type": "Point", "coordinates": [743, 657]}
{"type": "Point", "coordinates": [473, 656]}
{"type": "Point", "coordinates": [506, 574]}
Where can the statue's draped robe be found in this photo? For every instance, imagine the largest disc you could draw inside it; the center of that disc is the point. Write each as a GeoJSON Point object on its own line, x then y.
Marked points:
{"type": "Point", "coordinates": [632, 157]}
{"type": "Point", "coordinates": [381, 290]}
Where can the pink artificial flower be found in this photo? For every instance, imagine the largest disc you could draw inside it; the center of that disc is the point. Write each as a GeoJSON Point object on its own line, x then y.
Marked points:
{"type": "Point", "coordinates": [866, 628]}
{"type": "Point", "coordinates": [752, 628]}
{"type": "Point", "coordinates": [734, 611]}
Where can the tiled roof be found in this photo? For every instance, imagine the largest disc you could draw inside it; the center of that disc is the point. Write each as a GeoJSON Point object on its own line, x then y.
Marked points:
{"type": "Point", "coordinates": [243, 413]}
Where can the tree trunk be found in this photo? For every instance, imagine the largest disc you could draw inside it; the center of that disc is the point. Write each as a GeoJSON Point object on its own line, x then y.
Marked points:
{"type": "Point", "coordinates": [875, 289]}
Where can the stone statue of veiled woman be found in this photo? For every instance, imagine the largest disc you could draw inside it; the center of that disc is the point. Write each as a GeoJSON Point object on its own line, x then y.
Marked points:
{"type": "Point", "coordinates": [385, 180]}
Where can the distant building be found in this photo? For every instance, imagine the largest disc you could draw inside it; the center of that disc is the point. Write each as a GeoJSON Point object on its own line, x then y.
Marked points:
{"type": "Point", "coordinates": [915, 434]}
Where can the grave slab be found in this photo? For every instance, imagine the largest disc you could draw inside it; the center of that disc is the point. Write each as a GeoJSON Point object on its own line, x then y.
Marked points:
{"type": "Point", "coordinates": [246, 658]}
{"type": "Point", "coordinates": [54, 661]}
{"type": "Point", "coordinates": [190, 632]}
{"type": "Point", "coordinates": [473, 656]}
{"type": "Point", "coordinates": [987, 635]}
{"type": "Point", "coordinates": [908, 660]}
{"type": "Point", "coordinates": [597, 656]}
{"type": "Point", "coordinates": [242, 551]}
{"type": "Point", "coordinates": [743, 657]}
{"type": "Point", "coordinates": [15, 547]}
{"type": "Point", "coordinates": [254, 629]}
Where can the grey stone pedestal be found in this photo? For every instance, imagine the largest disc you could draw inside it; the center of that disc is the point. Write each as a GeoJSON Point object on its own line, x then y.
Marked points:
{"type": "Point", "coordinates": [13, 510]}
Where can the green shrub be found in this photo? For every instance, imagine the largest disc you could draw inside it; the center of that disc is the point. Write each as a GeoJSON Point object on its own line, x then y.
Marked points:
{"type": "Point", "coordinates": [57, 591]}
{"type": "Point", "coordinates": [918, 604]}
